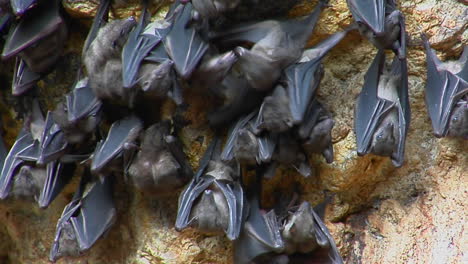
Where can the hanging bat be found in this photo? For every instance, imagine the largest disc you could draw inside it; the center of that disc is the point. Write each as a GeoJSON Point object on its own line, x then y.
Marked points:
{"type": "Point", "coordinates": [79, 114]}
{"type": "Point", "coordinates": [104, 66]}
{"type": "Point", "coordinates": [246, 146]}
{"type": "Point", "coordinates": [382, 113]}
{"type": "Point", "coordinates": [160, 166]}
{"type": "Point", "coordinates": [12, 164]}
{"type": "Point", "coordinates": [85, 219]}
{"type": "Point", "coordinates": [183, 43]}
{"type": "Point", "coordinates": [447, 93]}
{"type": "Point", "coordinates": [315, 131]}
{"type": "Point", "coordinates": [214, 200]}
{"type": "Point", "coordinates": [276, 44]}
{"type": "Point", "coordinates": [260, 236]}
{"type": "Point", "coordinates": [38, 38]}
{"type": "Point", "coordinates": [381, 23]}
{"type": "Point", "coordinates": [119, 142]}
{"type": "Point", "coordinates": [304, 232]}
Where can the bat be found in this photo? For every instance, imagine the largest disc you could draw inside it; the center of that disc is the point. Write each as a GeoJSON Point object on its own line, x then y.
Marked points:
{"type": "Point", "coordinates": [12, 163]}
{"type": "Point", "coordinates": [287, 105]}
{"type": "Point", "coordinates": [260, 235]}
{"type": "Point", "coordinates": [382, 113]}
{"type": "Point", "coordinates": [214, 199]}
{"type": "Point", "coordinates": [246, 146]}
{"type": "Point", "coordinates": [42, 184]}
{"type": "Point", "coordinates": [213, 8]}
{"type": "Point", "coordinates": [119, 142]}
{"type": "Point", "coordinates": [183, 43]}
{"type": "Point", "coordinates": [447, 93]}
{"type": "Point", "coordinates": [381, 23]}
{"type": "Point", "coordinates": [85, 219]}
{"type": "Point", "coordinates": [315, 131]}
{"type": "Point", "coordinates": [103, 63]}
{"type": "Point", "coordinates": [79, 114]}
{"type": "Point", "coordinates": [276, 44]}
{"type": "Point", "coordinates": [303, 231]}
{"type": "Point", "coordinates": [160, 166]}
{"type": "Point", "coordinates": [38, 38]}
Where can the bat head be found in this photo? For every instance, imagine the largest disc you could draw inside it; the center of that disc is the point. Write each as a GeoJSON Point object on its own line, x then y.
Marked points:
{"type": "Point", "coordinates": [27, 183]}
{"type": "Point", "coordinates": [156, 78]}
{"type": "Point", "coordinates": [383, 140]}
{"type": "Point", "coordinates": [458, 126]}
{"type": "Point", "coordinates": [246, 147]}
{"type": "Point", "coordinates": [299, 230]}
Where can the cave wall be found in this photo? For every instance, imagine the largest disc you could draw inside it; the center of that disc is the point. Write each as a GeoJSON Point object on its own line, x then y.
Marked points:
{"type": "Point", "coordinates": [379, 214]}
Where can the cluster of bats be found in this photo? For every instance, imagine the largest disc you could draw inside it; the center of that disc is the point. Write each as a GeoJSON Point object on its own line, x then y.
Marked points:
{"type": "Point", "coordinates": [267, 82]}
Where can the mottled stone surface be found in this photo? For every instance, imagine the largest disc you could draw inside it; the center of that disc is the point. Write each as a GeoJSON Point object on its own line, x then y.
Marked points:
{"type": "Point", "coordinates": [414, 214]}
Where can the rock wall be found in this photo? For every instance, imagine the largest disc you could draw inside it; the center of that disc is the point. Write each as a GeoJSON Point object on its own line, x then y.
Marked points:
{"type": "Point", "coordinates": [414, 214]}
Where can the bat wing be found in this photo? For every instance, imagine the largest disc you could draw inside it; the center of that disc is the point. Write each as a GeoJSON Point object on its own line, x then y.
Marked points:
{"type": "Point", "coordinates": [119, 134]}
{"type": "Point", "coordinates": [82, 102]}
{"type": "Point", "coordinates": [234, 195]}
{"type": "Point", "coordinates": [96, 215]}
{"type": "Point", "coordinates": [188, 197]}
{"type": "Point", "coordinates": [228, 150]}
{"type": "Point", "coordinates": [312, 114]}
{"type": "Point", "coordinates": [40, 23]}
{"type": "Point", "coordinates": [302, 81]}
{"type": "Point", "coordinates": [399, 68]}
{"type": "Point", "coordinates": [135, 50]}
{"type": "Point", "coordinates": [369, 107]}
{"type": "Point", "coordinates": [12, 162]}
{"type": "Point", "coordinates": [324, 238]}
{"type": "Point", "coordinates": [98, 22]}
{"type": "Point", "coordinates": [71, 209]}
{"type": "Point", "coordinates": [53, 142]}
{"type": "Point", "coordinates": [304, 78]}
{"type": "Point", "coordinates": [23, 78]}
{"type": "Point", "coordinates": [21, 6]}
{"type": "Point", "coordinates": [369, 12]}
{"type": "Point", "coordinates": [58, 175]}
{"type": "Point", "coordinates": [441, 90]}
{"type": "Point", "coordinates": [3, 153]}
{"type": "Point", "coordinates": [266, 147]}
{"type": "Point", "coordinates": [183, 44]}
{"type": "Point", "coordinates": [463, 73]}
{"type": "Point", "coordinates": [260, 235]}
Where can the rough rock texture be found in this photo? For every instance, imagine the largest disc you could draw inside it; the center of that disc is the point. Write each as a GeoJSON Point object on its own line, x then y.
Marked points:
{"type": "Point", "coordinates": [414, 214]}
